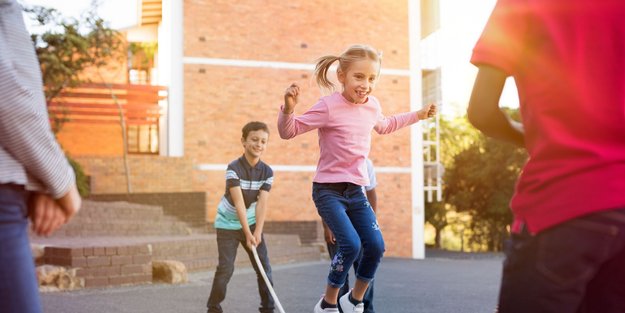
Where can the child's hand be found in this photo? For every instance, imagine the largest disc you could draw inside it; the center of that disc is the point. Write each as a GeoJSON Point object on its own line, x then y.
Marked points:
{"type": "Point", "coordinates": [258, 236]}
{"type": "Point", "coordinates": [290, 98]}
{"type": "Point", "coordinates": [70, 202]}
{"type": "Point", "coordinates": [250, 240]}
{"type": "Point", "coordinates": [46, 215]}
{"type": "Point", "coordinates": [427, 111]}
{"type": "Point", "coordinates": [327, 234]}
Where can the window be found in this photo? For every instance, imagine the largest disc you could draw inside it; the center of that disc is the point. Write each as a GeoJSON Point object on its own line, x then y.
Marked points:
{"type": "Point", "coordinates": [142, 138]}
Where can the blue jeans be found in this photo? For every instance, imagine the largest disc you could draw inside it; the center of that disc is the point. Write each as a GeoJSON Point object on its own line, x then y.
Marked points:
{"type": "Point", "coordinates": [227, 243]}
{"type": "Point", "coordinates": [348, 214]}
{"type": "Point", "coordinates": [575, 267]}
{"type": "Point", "coordinates": [19, 291]}
{"type": "Point", "coordinates": [367, 300]}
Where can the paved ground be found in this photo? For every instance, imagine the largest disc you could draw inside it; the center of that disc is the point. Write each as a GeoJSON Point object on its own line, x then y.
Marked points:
{"type": "Point", "coordinates": [442, 283]}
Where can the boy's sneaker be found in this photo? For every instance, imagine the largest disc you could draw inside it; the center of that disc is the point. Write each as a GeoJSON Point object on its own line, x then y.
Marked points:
{"type": "Point", "coordinates": [348, 307]}
{"type": "Point", "coordinates": [318, 308]}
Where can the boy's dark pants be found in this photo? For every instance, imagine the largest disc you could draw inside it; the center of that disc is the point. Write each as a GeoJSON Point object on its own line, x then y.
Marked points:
{"type": "Point", "coordinates": [575, 267]}
{"type": "Point", "coordinates": [227, 243]}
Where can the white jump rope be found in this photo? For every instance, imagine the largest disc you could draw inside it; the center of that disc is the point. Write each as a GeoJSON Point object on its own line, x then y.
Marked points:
{"type": "Point", "coordinates": [267, 282]}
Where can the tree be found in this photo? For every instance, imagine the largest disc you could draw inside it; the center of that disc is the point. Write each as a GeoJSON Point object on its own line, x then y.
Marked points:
{"type": "Point", "coordinates": [481, 182]}
{"type": "Point", "coordinates": [65, 50]}
{"type": "Point", "coordinates": [436, 215]}
{"type": "Point", "coordinates": [455, 136]}
{"type": "Point", "coordinates": [68, 46]}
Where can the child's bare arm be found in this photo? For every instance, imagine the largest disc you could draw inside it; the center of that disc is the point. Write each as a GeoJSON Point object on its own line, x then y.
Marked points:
{"type": "Point", "coordinates": [261, 212]}
{"type": "Point", "coordinates": [484, 112]}
{"type": "Point", "coordinates": [239, 204]}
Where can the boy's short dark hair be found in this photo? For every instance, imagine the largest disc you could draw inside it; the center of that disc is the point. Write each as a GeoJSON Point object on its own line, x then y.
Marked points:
{"type": "Point", "coordinates": [253, 126]}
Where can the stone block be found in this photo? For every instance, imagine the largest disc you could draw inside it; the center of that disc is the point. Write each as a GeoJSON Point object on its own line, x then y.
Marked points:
{"type": "Point", "coordinates": [170, 272]}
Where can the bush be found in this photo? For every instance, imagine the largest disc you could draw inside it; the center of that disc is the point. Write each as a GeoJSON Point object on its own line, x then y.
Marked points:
{"type": "Point", "coordinates": [82, 180]}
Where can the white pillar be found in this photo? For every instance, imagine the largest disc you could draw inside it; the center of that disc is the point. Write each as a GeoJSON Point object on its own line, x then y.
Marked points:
{"type": "Point", "coordinates": [171, 74]}
{"type": "Point", "coordinates": [416, 136]}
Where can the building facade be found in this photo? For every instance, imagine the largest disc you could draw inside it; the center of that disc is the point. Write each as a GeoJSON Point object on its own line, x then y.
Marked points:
{"type": "Point", "coordinates": [227, 63]}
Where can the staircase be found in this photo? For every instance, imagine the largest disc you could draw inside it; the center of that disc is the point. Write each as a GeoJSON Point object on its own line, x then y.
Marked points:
{"type": "Point", "coordinates": [122, 219]}
{"type": "Point", "coordinates": [108, 241]}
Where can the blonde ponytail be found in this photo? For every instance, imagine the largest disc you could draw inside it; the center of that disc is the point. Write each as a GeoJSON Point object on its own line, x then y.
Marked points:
{"type": "Point", "coordinates": [321, 71]}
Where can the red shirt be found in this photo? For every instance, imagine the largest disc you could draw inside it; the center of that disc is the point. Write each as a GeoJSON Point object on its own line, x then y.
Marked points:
{"type": "Point", "coordinates": [568, 61]}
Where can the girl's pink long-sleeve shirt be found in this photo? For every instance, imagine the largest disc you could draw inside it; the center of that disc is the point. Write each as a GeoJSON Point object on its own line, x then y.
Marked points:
{"type": "Point", "coordinates": [344, 130]}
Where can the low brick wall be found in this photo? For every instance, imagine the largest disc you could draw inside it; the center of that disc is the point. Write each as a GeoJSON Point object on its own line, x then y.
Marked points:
{"type": "Point", "coordinates": [308, 231]}
{"type": "Point", "coordinates": [188, 207]}
{"type": "Point", "coordinates": [105, 266]}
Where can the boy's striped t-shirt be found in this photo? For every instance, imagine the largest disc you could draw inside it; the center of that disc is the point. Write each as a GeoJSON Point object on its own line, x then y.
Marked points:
{"type": "Point", "coordinates": [251, 179]}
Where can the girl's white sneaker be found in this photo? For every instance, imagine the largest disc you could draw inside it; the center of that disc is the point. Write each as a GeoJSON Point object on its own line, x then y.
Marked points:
{"type": "Point", "coordinates": [348, 307]}
{"type": "Point", "coordinates": [318, 308]}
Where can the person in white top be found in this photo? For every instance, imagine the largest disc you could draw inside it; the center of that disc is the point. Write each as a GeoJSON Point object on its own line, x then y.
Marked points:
{"type": "Point", "coordinates": [36, 180]}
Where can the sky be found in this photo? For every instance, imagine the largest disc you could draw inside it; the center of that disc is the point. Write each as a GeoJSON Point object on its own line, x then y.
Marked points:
{"type": "Point", "coordinates": [462, 23]}
{"type": "Point", "coordinates": [120, 13]}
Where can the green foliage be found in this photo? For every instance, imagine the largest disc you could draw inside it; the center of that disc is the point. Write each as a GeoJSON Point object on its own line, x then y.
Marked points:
{"type": "Point", "coordinates": [82, 180]}
{"type": "Point", "coordinates": [481, 182]}
{"type": "Point", "coordinates": [436, 215]}
{"type": "Point", "coordinates": [455, 136]}
{"type": "Point", "coordinates": [478, 182]}
{"type": "Point", "coordinates": [68, 47]}
{"type": "Point", "coordinates": [147, 51]}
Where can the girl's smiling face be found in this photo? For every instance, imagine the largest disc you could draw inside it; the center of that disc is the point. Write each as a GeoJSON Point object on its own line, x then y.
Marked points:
{"type": "Point", "coordinates": [359, 80]}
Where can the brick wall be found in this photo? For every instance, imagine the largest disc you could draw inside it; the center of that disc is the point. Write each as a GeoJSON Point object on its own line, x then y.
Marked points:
{"type": "Point", "coordinates": [101, 266]}
{"type": "Point", "coordinates": [147, 174]}
{"type": "Point", "coordinates": [186, 206]}
{"type": "Point", "coordinates": [219, 100]}
{"type": "Point", "coordinates": [308, 231]}
{"type": "Point", "coordinates": [295, 31]}
{"type": "Point", "coordinates": [91, 139]}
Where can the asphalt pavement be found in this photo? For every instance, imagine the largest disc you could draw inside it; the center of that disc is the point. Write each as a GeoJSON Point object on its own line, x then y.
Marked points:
{"type": "Point", "coordinates": [441, 283]}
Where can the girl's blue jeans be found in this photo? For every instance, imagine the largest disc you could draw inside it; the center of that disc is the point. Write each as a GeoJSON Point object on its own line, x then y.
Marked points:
{"type": "Point", "coordinates": [348, 214]}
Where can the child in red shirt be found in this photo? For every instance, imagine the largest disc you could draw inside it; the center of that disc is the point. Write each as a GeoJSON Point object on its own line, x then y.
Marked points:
{"type": "Point", "coordinates": [568, 61]}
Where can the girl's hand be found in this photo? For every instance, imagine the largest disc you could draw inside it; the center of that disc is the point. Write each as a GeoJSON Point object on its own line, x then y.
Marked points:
{"type": "Point", "coordinates": [427, 111]}
{"type": "Point", "coordinates": [290, 98]}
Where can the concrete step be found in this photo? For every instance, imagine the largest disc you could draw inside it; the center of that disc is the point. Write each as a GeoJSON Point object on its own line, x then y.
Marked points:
{"type": "Point", "coordinates": [122, 219]}
{"type": "Point", "coordinates": [122, 229]}
{"type": "Point", "coordinates": [113, 243]}
{"type": "Point", "coordinates": [119, 209]}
